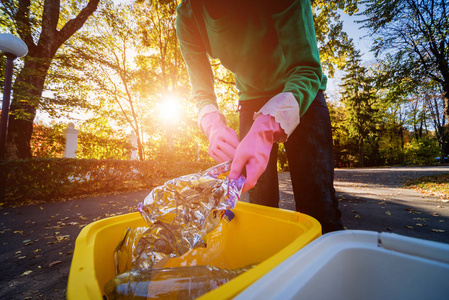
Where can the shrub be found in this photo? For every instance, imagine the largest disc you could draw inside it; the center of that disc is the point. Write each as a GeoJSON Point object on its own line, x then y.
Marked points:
{"type": "Point", "coordinates": [47, 141]}
{"type": "Point", "coordinates": [421, 152]}
{"type": "Point", "coordinates": [51, 179]}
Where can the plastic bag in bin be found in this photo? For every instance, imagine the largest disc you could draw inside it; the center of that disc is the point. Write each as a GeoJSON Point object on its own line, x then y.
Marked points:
{"type": "Point", "coordinates": [179, 214]}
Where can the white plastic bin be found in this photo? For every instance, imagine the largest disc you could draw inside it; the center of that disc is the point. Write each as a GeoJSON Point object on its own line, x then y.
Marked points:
{"type": "Point", "coordinates": [355, 264]}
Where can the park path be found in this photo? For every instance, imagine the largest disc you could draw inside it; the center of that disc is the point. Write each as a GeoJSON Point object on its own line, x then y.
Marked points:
{"type": "Point", "coordinates": [38, 240]}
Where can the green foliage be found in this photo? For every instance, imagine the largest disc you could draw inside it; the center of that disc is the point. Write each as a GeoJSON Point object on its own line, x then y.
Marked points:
{"type": "Point", "coordinates": [44, 26]}
{"type": "Point", "coordinates": [372, 155]}
{"type": "Point", "coordinates": [393, 137]}
{"type": "Point", "coordinates": [409, 100]}
{"type": "Point", "coordinates": [414, 33]}
{"type": "Point", "coordinates": [47, 141]}
{"type": "Point", "coordinates": [53, 179]}
{"type": "Point", "coordinates": [410, 44]}
{"type": "Point", "coordinates": [102, 147]}
{"type": "Point", "coordinates": [397, 77]}
{"type": "Point", "coordinates": [359, 99]}
{"type": "Point", "coordinates": [126, 60]}
{"type": "Point", "coordinates": [391, 155]}
{"type": "Point", "coordinates": [106, 52]}
{"type": "Point", "coordinates": [334, 44]}
{"type": "Point", "coordinates": [179, 146]}
{"type": "Point", "coordinates": [341, 140]}
{"type": "Point", "coordinates": [98, 140]}
{"type": "Point", "coordinates": [131, 63]}
{"type": "Point", "coordinates": [282, 162]}
{"type": "Point", "coordinates": [421, 152]}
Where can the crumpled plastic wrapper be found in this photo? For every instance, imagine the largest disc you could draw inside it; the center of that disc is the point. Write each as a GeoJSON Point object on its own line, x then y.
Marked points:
{"type": "Point", "coordinates": [179, 214]}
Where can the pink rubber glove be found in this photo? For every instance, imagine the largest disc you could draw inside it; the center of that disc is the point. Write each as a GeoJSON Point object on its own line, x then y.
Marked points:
{"type": "Point", "coordinates": [254, 150]}
{"type": "Point", "coordinates": [222, 140]}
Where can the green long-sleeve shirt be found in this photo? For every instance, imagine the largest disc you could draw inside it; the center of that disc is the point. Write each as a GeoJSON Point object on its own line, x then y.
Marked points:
{"type": "Point", "coordinates": [270, 47]}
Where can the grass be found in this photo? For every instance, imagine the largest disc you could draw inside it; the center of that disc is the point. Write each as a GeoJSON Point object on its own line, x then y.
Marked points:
{"type": "Point", "coordinates": [435, 185]}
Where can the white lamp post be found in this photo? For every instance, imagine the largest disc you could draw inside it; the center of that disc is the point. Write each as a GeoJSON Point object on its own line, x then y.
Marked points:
{"type": "Point", "coordinates": [13, 47]}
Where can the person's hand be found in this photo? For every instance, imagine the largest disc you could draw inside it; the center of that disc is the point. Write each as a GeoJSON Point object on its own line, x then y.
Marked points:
{"type": "Point", "coordinates": [253, 152]}
{"type": "Point", "coordinates": [222, 140]}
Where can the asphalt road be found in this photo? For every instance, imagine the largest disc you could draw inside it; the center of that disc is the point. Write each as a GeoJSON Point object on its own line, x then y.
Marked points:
{"type": "Point", "coordinates": [374, 199]}
{"type": "Point", "coordinates": [38, 240]}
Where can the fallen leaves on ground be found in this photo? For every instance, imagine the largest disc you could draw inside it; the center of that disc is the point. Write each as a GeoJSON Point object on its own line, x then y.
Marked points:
{"type": "Point", "coordinates": [53, 263]}
{"type": "Point", "coordinates": [60, 238]}
{"type": "Point", "coordinates": [28, 242]}
{"type": "Point", "coordinates": [412, 211]}
{"type": "Point", "coordinates": [434, 185]}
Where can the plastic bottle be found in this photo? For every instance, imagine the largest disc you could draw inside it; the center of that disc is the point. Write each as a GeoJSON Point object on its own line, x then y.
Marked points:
{"type": "Point", "coordinates": [169, 283]}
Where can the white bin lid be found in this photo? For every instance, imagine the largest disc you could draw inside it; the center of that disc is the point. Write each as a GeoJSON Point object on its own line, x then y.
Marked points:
{"type": "Point", "coordinates": [356, 264]}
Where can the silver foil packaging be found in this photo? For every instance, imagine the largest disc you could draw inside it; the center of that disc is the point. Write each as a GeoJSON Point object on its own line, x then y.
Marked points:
{"type": "Point", "coordinates": [179, 214]}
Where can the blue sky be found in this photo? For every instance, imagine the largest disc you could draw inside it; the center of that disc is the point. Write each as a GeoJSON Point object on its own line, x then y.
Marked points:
{"type": "Point", "coordinates": [359, 35]}
{"type": "Point", "coordinates": [361, 42]}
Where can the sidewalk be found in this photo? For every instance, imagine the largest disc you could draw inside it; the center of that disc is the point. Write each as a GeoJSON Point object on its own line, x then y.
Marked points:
{"type": "Point", "coordinates": [38, 241]}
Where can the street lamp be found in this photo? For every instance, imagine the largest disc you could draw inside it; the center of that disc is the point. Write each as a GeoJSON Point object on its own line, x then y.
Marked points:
{"type": "Point", "coordinates": [13, 47]}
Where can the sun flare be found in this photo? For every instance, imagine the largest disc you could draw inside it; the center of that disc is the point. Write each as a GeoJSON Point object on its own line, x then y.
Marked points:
{"type": "Point", "coordinates": [170, 109]}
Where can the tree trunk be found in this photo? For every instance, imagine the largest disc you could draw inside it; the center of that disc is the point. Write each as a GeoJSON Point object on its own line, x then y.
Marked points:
{"type": "Point", "coordinates": [362, 154]}
{"type": "Point", "coordinates": [401, 135]}
{"type": "Point", "coordinates": [140, 148]}
{"type": "Point", "coordinates": [444, 141]}
{"type": "Point", "coordinates": [27, 91]}
{"type": "Point", "coordinates": [29, 84]}
{"type": "Point", "coordinates": [446, 97]}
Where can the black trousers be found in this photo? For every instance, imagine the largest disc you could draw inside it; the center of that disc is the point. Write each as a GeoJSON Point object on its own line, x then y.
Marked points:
{"type": "Point", "coordinates": [311, 162]}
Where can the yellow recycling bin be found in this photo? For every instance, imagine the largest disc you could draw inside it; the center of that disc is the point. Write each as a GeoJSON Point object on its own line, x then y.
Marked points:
{"type": "Point", "coordinates": [258, 235]}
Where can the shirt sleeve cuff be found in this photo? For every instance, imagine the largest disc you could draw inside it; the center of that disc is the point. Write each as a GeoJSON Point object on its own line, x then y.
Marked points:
{"type": "Point", "coordinates": [285, 109]}
{"type": "Point", "coordinates": [210, 108]}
